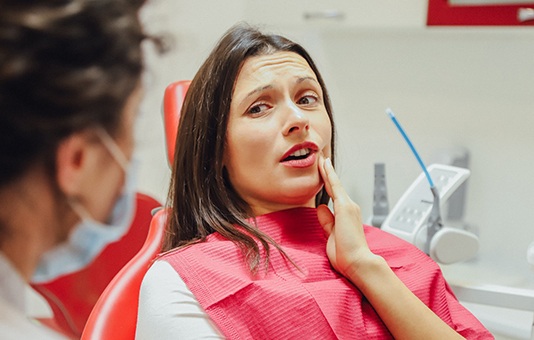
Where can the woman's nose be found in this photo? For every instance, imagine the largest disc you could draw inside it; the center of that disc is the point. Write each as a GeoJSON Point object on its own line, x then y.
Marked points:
{"type": "Point", "coordinates": [297, 120]}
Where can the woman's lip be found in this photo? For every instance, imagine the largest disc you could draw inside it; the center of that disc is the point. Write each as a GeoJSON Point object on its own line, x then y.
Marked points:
{"type": "Point", "coordinates": [302, 163]}
{"type": "Point", "coordinates": [306, 145]}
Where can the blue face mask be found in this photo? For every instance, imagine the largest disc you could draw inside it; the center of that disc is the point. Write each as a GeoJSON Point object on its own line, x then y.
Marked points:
{"type": "Point", "coordinates": [89, 237]}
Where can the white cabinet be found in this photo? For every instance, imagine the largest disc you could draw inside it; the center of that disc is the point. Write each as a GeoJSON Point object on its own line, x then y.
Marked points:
{"type": "Point", "coordinates": [341, 13]}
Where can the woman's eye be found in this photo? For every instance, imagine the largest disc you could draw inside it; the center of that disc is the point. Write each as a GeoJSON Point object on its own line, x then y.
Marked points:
{"type": "Point", "coordinates": [307, 100]}
{"type": "Point", "coordinates": [258, 108]}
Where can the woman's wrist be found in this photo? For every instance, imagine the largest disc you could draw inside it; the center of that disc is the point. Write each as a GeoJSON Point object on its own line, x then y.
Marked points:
{"type": "Point", "coordinates": [366, 269]}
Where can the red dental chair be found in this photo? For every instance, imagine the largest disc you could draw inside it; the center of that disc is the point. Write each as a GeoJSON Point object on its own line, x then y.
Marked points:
{"type": "Point", "coordinates": [115, 313]}
{"type": "Point", "coordinates": [172, 106]}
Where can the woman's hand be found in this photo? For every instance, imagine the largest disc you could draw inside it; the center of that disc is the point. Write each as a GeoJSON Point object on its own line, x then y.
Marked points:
{"type": "Point", "coordinates": [403, 313]}
{"type": "Point", "coordinates": [347, 247]}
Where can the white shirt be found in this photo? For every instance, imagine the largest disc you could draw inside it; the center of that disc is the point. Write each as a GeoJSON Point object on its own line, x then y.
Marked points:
{"type": "Point", "coordinates": [14, 322]}
{"type": "Point", "coordinates": [168, 309]}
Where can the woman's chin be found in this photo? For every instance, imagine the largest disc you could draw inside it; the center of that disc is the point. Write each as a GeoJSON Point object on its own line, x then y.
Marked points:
{"type": "Point", "coordinates": [302, 196]}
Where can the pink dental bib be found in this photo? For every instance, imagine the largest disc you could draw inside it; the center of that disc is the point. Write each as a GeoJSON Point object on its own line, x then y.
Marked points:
{"type": "Point", "coordinates": [312, 301]}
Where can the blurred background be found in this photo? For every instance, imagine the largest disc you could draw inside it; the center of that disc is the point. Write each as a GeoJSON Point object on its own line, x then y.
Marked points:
{"type": "Point", "coordinates": [465, 90]}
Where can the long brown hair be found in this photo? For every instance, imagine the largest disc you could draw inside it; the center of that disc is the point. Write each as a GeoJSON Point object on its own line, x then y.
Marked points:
{"type": "Point", "coordinates": [201, 198]}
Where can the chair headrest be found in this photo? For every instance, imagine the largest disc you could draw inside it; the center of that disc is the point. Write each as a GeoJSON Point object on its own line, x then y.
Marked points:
{"type": "Point", "coordinates": [173, 101]}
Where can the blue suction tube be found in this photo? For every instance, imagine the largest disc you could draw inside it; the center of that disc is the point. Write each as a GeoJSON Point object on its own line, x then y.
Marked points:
{"type": "Point", "coordinates": [407, 139]}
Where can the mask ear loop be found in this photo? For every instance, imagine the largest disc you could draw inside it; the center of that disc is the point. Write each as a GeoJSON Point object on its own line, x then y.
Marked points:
{"type": "Point", "coordinates": [119, 157]}
{"type": "Point", "coordinates": [113, 148]}
{"type": "Point", "coordinates": [80, 210]}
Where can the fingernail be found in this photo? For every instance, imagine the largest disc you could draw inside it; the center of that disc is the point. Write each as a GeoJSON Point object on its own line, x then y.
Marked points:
{"type": "Point", "coordinates": [329, 162]}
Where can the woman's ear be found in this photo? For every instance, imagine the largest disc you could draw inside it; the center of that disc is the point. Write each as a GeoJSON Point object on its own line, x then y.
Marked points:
{"type": "Point", "coordinates": [74, 162]}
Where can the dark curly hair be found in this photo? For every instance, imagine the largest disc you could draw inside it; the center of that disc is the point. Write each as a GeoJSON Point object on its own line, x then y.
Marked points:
{"type": "Point", "coordinates": [65, 65]}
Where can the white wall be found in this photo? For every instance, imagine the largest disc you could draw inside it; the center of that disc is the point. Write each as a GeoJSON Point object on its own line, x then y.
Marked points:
{"type": "Point", "coordinates": [192, 28]}
{"type": "Point", "coordinates": [469, 87]}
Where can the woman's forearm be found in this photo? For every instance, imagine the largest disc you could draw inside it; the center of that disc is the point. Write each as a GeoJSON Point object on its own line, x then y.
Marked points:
{"type": "Point", "coordinates": [404, 314]}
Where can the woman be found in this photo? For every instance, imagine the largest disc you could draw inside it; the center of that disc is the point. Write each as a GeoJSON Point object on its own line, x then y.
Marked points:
{"type": "Point", "coordinates": [69, 91]}
{"type": "Point", "coordinates": [246, 244]}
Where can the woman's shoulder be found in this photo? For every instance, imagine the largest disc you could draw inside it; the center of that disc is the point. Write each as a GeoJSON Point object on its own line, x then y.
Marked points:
{"type": "Point", "coordinates": [379, 238]}
{"type": "Point", "coordinates": [162, 271]}
{"type": "Point", "coordinates": [168, 309]}
{"type": "Point", "coordinates": [214, 245]}
{"type": "Point", "coordinates": [395, 250]}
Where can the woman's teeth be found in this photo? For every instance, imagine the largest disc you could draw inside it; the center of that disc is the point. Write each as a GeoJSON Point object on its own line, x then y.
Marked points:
{"type": "Point", "coordinates": [300, 153]}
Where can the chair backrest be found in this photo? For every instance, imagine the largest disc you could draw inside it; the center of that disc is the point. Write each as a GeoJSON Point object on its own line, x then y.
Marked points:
{"type": "Point", "coordinates": [173, 100]}
{"type": "Point", "coordinates": [115, 313]}
{"type": "Point", "coordinates": [72, 297]}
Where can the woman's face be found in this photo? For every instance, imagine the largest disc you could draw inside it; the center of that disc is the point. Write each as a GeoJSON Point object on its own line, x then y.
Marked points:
{"type": "Point", "coordinates": [278, 128]}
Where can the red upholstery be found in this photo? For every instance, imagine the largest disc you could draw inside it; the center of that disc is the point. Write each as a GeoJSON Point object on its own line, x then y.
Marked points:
{"type": "Point", "coordinates": [172, 105]}
{"type": "Point", "coordinates": [73, 296]}
{"type": "Point", "coordinates": [115, 313]}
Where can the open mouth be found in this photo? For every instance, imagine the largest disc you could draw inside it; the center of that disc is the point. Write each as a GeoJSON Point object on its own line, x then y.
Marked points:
{"type": "Point", "coordinates": [299, 154]}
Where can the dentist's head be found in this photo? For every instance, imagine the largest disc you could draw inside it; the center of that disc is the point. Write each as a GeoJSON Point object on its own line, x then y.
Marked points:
{"type": "Point", "coordinates": [69, 91]}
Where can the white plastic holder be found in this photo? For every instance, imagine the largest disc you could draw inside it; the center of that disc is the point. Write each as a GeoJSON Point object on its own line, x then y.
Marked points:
{"type": "Point", "coordinates": [449, 245]}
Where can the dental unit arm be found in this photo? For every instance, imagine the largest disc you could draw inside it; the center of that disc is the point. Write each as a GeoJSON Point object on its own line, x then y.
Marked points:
{"type": "Point", "coordinates": [416, 218]}
{"type": "Point", "coordinates": [434, 223]}
{"type": "Point", "coordinates": [380, 197]}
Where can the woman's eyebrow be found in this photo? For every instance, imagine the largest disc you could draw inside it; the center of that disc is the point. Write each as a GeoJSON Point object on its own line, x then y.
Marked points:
{"type": "Point", "coordinates": [253, 92]}
{"type": "Point", "coordinates": [301, 79]}
{"type": "Point", "coordinates": [259, 89]}
{"type": "Point", "coordinates": [268, 87]}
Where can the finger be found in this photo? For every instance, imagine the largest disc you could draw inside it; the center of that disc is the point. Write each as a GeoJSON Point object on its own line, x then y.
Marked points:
{"type": "Point", "coordinates": [347, 213]}
{"type": "Point", "coordinates": [335, 188]}
{"type": "Point", "coordinates": [322, 173]}
{"type": "Point", "coordinates": [326, 218]}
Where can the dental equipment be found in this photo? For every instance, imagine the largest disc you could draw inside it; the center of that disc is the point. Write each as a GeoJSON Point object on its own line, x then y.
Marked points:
{"type": "Point", "coordinates": [380, 196]}
{"type": "Point", "coordinates": [434, 220]}
{"type": "Point", "coordinates": [417, 217]}
{"type": "Point", "coordinates": [409, 142]}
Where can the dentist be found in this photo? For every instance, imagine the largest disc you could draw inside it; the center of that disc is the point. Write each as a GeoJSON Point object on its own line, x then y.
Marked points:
{"type": "Point", "coordinates": [69, 91]}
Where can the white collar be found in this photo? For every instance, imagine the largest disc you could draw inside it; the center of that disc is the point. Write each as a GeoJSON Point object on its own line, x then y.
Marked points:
{"type": "Point", "coordinates": [12, 285]}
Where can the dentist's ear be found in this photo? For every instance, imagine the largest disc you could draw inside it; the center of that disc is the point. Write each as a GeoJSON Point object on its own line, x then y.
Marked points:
{"type": "Point", "coordinates": [75, 161]}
